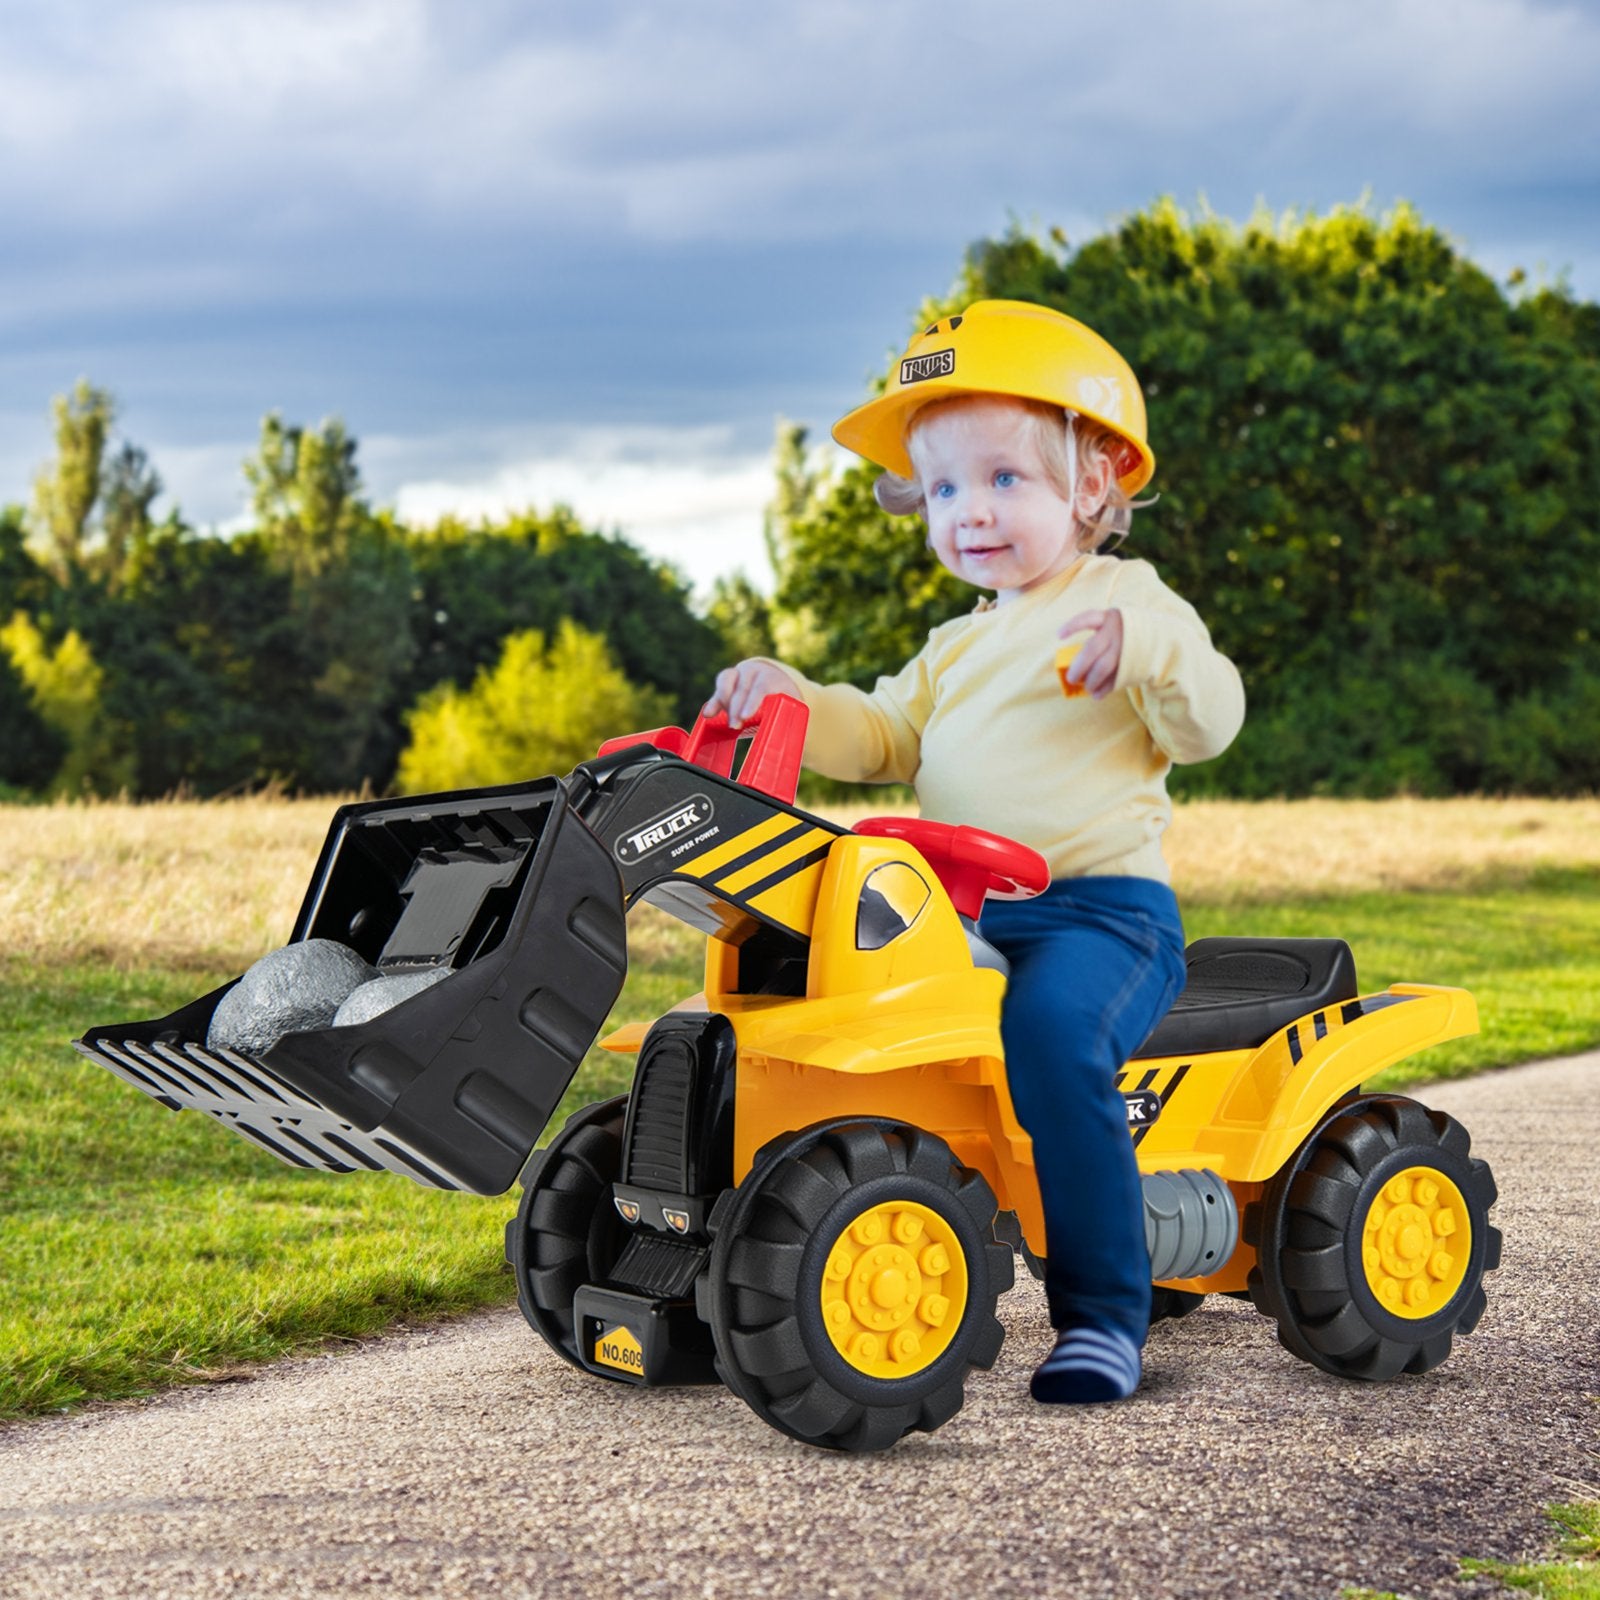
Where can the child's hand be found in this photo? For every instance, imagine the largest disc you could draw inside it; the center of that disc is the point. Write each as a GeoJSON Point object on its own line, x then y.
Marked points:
{"type": "Point", "coordinates": [1096, 666]}
{"type": "Point", "coordinates": [741, 689]}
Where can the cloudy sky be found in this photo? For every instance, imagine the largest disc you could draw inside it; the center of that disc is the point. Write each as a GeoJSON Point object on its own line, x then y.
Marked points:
{"type": "Point", "coordinates": [593, 251]}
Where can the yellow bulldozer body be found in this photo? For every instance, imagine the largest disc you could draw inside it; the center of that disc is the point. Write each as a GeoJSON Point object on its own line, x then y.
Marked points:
{"type": "Point", "coordinates": [909, 1028]}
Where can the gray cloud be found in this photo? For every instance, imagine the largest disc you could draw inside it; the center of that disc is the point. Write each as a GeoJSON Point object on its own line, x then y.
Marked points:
{"type": "Point", "coordinates": [720, 120]}
{"type": "Point", "coordinates": [437, 220]}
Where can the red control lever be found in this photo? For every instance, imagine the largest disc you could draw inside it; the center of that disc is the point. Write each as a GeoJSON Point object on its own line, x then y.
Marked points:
{"type": "Point", "coordinates": [772, 764]}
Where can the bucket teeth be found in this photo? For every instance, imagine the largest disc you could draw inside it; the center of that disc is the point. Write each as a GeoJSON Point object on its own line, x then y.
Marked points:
{"type": "Point", "coordinates": [245, 1095]}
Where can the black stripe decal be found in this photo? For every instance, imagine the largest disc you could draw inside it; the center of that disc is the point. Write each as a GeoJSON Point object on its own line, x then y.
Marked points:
{"type": "Point", "coordinates": [1295, 1052]}
{"type": "Point", "coordinates": [1165, 1095]}
{"type": "Point", "coordinates": [1147, 1080]}
{"type": "Point", "coordinates": [1321, 1023]}
{"type": "Point", "coordinates": [772, 880]}
{"type": "Point", "coordinates": [1350, 1011]}
{"type": "Point", "coordinates": [1377, 1002]}
{"type": "Point", "coordinates": [750, 857]}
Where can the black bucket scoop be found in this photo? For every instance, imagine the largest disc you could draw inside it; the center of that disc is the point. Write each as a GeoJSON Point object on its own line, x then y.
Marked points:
{"type": "Point", "coordinates": [505, 889]}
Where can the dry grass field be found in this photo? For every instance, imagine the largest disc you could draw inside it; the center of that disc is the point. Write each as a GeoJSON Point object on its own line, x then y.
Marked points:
{"type": "Point", "coordinates": [211, 885]}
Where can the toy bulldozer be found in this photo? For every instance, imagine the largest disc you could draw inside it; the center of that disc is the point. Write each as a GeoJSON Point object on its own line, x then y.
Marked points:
{"type": "Point", "coordinates": [815, 1187]}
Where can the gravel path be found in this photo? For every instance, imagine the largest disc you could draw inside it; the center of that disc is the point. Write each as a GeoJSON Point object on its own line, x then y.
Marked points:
{"type": "Point", "coordinates": [465, 1460]}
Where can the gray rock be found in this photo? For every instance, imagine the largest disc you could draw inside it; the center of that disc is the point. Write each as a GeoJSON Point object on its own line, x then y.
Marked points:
{"type": "Point", "coordinates": [291, 990]}
{"type": "Point", "coordinates": [374, 998]}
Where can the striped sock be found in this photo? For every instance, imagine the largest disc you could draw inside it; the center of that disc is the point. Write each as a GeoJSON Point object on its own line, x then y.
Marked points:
{"type": "Point", "coordinates": [1088, 1365]}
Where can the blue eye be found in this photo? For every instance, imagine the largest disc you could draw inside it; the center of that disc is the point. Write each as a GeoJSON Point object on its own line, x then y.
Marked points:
{"type": "Point", "coordinates": [943, 491]}
{"type": "Point", "coordinates": [1004, 480]}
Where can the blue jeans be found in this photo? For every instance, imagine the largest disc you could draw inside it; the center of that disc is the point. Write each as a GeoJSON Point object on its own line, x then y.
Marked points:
{"type": "Point", "coordinates": [1095, 963]}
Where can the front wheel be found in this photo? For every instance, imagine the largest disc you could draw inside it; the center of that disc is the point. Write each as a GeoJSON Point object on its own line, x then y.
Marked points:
{"type": "Point", "coordinates": [566, 1232]}
{"type": "Point", "coordinates": [853, 1283]}
{"type": "Point", "coordinates": [1373, 1242]}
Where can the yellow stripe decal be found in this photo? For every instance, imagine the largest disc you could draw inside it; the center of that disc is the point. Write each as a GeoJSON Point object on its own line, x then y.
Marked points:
{"type": "Point", "coordinates": [708, 861]}
{"type": "Point", "coordinates": [798, 888]}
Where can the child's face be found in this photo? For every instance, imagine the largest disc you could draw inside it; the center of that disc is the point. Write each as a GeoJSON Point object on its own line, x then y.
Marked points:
{"type": "Point", "coordinates": [994, 517]}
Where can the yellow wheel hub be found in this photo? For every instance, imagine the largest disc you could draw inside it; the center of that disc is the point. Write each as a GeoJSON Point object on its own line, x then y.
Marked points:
{"type": "Point", "coordinates": [1416, 1243]}
{"type": "Point", "coordinates": [894, 1289]}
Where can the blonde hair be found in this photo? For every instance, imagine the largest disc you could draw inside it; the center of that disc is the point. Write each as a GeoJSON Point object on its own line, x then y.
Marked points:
{"type": "Point", "coordinates": [1069, 447]}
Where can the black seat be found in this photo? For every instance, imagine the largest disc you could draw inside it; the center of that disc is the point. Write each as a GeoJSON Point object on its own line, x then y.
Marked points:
{"type": "Point", "coordinates": [1242, 991]}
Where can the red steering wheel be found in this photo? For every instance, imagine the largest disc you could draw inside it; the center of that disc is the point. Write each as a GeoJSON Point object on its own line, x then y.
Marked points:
{"type": "Point", "coordinates": [970, 862]}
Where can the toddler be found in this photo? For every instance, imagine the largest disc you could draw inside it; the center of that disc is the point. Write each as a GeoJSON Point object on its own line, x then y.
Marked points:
{"type": "Point", "coordinates": [1018, 435]}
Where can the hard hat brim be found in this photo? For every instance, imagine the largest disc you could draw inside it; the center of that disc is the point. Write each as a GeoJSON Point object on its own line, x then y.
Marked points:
{"type": "Point", "coordinates": [878, 430]}
{"type": "Point", "coordinates": [1006, 347]}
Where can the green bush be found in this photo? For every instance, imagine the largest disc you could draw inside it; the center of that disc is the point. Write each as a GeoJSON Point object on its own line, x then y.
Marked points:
{"type": "Point", "coordinates": [477, 585]}
{"type": "Point", "coordinates": [64, 684]}
{"type": "Point", "coordinates": [539, 710]}
{"type": "Point", "coordinates": [31, 750]}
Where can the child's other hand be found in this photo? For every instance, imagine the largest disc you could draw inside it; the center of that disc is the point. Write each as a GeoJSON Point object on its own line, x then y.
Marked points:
{"type": "Point", "coordinates": [741, 689]}
{"type": "Point", "coordinates": [1097, 662]}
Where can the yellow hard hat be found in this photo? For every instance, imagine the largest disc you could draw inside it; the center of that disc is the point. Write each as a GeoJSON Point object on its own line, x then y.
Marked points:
{"type": "Point", "coordinates": [1006, 347]}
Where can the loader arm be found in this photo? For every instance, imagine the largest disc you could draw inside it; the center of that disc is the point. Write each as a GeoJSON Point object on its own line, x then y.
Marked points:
{"type": "Point", "coordinates": [736, 860]}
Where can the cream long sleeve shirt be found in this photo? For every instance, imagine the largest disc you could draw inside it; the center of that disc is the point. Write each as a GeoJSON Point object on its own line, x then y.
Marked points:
{"type": "Point", "coordinates": [977, 721]}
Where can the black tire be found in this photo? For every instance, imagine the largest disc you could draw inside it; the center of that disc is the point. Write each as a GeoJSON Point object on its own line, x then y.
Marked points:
{"type": "Point", "coordinates": [1309, 1231]}
{"type": "Point", "coordinates": [566, 1232]}
{"type": "Point", "coordinates": [774, 1239]}
{"type": "Point", "coordinates": [1167, 1305]}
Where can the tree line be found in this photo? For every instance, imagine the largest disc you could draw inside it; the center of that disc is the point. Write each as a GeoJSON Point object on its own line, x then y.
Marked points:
{"type": "Point", "coordinates": [313, 649]}
{"type": "Point", "coordinates": [1377, 479]}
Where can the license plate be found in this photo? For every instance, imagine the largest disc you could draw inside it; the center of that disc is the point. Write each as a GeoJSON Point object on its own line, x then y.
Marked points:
{"type": "Point", "coordinates": [617, 1347]}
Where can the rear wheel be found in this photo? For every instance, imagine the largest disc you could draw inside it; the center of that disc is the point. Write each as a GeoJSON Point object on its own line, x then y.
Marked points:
{"type": "Point", "coordinates": [1373, 1242]}
{"type": "Point", "coordinates": [853, 1283]}
{"type": "Point", "coordinates": [566, 1232]}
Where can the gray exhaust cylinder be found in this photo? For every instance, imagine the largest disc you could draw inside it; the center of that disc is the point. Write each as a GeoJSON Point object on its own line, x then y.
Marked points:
{"type": "Point", "coordinates": [1191, 1223]}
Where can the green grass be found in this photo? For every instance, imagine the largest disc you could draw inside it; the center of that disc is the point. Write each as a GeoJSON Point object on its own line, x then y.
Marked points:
{"type": "Point", "coordinates": [1577, 1578]}
{"type": "Point", "coordinates": [139, 1248]}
